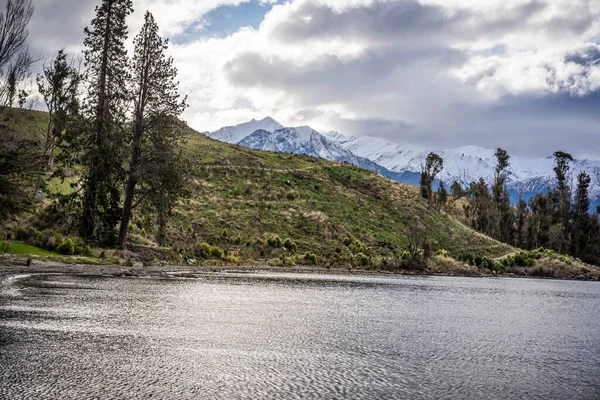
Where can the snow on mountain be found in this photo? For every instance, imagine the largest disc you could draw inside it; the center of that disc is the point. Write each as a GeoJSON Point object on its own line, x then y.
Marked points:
{"type": "Point", "coordinates": [300, 140]}
{"type": "Point", "coordinates": [305, 140]}
{"type": "Point", "coordinates": [404, 162]}
{"type": "Point", "coordinates": [233, 134]}
{"type": "Point", "coordinates": [469, 163]}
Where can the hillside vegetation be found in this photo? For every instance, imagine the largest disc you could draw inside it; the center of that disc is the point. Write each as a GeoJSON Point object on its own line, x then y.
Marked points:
{"type": "Point", "coordinates": [242, 197]}
{"type": "Point", "coordinates": [249, 206]}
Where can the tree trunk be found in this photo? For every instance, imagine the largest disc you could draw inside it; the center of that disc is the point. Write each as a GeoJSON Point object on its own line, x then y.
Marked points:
{"type": "Point", "coordinates": [129, 193]}
{"type": "Point", "coordinates": [131, 183]}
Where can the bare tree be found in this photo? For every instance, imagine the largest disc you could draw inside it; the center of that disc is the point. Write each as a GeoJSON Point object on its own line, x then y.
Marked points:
{"type": "Point", "coordinates": [14, 56]}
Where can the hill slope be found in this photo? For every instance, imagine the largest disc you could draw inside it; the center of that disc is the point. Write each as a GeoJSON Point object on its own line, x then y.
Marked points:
{"type": "Point", "coordinates": [241, 197]}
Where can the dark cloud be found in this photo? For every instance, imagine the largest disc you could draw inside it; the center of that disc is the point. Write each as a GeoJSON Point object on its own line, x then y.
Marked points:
{"type": "Point", "coordinates": [410, 22]}
{"type": "Point", "coordinates": [59, 24]}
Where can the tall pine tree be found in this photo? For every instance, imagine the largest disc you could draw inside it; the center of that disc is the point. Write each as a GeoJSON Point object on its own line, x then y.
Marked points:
{"type": "Point", "coordinates": [582, 224]}
{"type": "Point", "coordinates": [104, 140]}
{"type": "Point", "coordinates": [155, 131]}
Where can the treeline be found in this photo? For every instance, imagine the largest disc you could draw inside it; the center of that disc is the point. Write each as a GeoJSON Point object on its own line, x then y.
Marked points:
{"type": "Point", "coordinates": [557, 220]}
{"type": "Point", "coordinates": [113, 118]}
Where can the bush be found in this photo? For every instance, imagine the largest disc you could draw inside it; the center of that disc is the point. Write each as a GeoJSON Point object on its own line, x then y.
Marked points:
{"type": "Point", "coordinates": [441, 252]}
{"type": "Point", "coordinates": [202, 250]}
{"type": "Point", "coordinates": [310, 257]}
{"type": "Point", "coordinates": [216, 252]}
{"type": "Point", "coordinates": [206, 251]}
{"type": "Point", "coordinates": [80, 247]}
{"type": "Point", "coordinates": [405, 255]}
{"type": "Point", "coordinates": [275, 242]}
{"type": "Point", "coordinates": [51, 243]}
{"type": "Point", "coordinates": [20, 234]}
{"type": "Point", "coordinates": [67, 247]}
{"type": "Point", "coordinates": [347, 241]}
{"type": "Point", "coordinates": [289, 245]}
{"type": "Point", "coordinates": [361, 259]}
{"type": "Point", "coordinates": [358, 247]}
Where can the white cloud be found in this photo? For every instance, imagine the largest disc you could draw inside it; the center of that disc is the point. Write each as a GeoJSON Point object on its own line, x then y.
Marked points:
{"type": "Point", "coordinates": [420, 69]}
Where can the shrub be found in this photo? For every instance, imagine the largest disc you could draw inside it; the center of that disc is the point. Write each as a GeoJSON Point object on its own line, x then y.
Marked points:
{"type": "Point", "coordinates": [224, 234]}
{"type": "Point", "coordinates": [51, 243]}
{"type": "Point", "coordinates": [361, 259]}
{"type": "Point", "coordinates": [519, 260]}
{"type": "Point", "coordinates": [310, 257]}
{"type": "Point", "coordinates": [67, 247]}
{"type": "Point", "coordinates": [143, 231]}
{"type": "Point", "coordinates": [202, 250]}
{"type": "Point", "coordinates": [80, 247]}
{"type": "Point", "coordinates": [20, 233]}
{"type": "Point", "coordinates": [237, 240]}
{"type": "Point", "coordinates": [441, 252]}
{"type": "Point", "coordinates": [347, 241]}
{"type": "Point", "coordinates": [275, 242]}
{"type": "Point", "coordinates": [478, 260]}
{"type": "Point", "coordinates": [405, 255]}
{"type": "Point", "coordinates": [289, 245]}
{"type": "Point", "coordinates": [216, 252]}
{"type": "Point", "coordinates": [358, 247]}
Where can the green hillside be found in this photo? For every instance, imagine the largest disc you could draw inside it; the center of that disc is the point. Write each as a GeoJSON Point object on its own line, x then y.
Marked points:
{"type": "Point", "coordinates": [242, 197]}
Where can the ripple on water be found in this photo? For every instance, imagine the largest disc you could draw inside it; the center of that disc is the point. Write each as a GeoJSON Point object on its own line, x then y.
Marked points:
{"type": "Point", "coordinates": [298, 337]}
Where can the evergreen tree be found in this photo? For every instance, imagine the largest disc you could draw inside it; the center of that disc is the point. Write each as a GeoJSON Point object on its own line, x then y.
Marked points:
{"type": "Point", "coordinates": [503, 218]}
{"type": "Point", "coordinates": [539, 222]}
{"type": "Point", "coordinates": [522, 215]}
{"type": "Point", "coordinates": [563, 197]}
{"type": "Point", "coordinates": [442, 195]}
{"type": "Point", "coordinates": [480, 206]}
{"type": "Point", "coordinates": [434, 164]}
{"type": "Point", "coordinates": [581, 229]}
{"type": "Point", "coordinates": [155, 132]}
{"type": "Point", "coordinates": [105, 109]}
{"type": "Point", "coordinates": [59, 86]}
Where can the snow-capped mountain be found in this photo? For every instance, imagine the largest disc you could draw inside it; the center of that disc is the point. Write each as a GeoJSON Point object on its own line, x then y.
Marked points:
{"type": "Point", "coordinates": [305, 140]}
{"type": "Point", "coordinates": [233, 134]}
{"type": "Point", "coordinates": [403, 162]}
{"type": "Point", "coordinates": [469, 163]}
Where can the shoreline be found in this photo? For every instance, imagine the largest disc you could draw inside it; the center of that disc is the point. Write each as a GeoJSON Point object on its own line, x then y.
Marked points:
{"type": "Point", "coordinates": [12, 266]}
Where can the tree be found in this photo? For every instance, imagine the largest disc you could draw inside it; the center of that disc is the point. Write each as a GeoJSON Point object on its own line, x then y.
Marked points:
{"type": "Point", "coordinates": [563, 195]}
{"type": "Point", "coordinates": [105, 135]}
{"type": "Point", "coordinates": [434, 164]}
{"type": "Point", "coordinates": [19, 163]}
{"type": "Point", "coordinates": [14, 56]}
{"type": "Point", "coordinates": [582, 224]}
{"type": "Point", "coordinates": [59, 86]}
{"type": "Point", "coordinates": [154, 134]}
{"type": "Point", "coordinates": [522, 215]}
{"type": "Point", "coordinates": [457, 190]}
{"type": "Point", "coordinates": [503, 218]}
{"type": "Point", "coordinates": [480, 206]}
{"type": "Point", "coordinates": [539, 222]}
{"type": "Point", "coordinates": [442, 195]}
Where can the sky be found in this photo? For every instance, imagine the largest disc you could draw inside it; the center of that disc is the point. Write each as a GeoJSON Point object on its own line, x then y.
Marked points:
{"type": "Point", "coordinates": [520, 74]}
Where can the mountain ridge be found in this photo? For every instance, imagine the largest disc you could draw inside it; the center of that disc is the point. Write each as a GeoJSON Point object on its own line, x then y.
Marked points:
{"type": "Point", "coordinates": [527, 176]}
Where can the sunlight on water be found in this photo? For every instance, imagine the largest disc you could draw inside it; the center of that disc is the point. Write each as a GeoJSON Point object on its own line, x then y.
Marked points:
{"type": "Point", "coordinates": [251, 336]}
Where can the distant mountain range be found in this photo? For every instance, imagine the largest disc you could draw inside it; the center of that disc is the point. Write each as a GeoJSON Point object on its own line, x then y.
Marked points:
{"type": "Point", "coordinates": [528, 176]}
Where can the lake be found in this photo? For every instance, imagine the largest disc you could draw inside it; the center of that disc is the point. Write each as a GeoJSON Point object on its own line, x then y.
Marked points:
{"type": "Point", "coordinates": [298, 336]}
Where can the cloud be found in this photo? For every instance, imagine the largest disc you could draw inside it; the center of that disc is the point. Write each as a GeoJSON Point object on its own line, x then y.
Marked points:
{"type": "Point", "coordinates": [442, 73]}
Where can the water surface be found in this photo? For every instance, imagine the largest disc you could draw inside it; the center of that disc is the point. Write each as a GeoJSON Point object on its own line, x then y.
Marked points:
{"type": "Point", "coordinates": [275, 336]}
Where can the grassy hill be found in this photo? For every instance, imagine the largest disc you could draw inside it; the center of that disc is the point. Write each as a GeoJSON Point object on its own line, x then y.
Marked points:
{"type": "Point", "coordinates": [241, 198]}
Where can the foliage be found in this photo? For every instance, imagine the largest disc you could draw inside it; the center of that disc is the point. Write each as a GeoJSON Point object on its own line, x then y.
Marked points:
{"type": "Point", "coordinates": [66, 248]}
{"type": "Point", "coordinates": [105, 106]}
{"type": "Point", "coordinates": [156, 165]}
{"type": "Point", "coordinates": [434, 164]}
